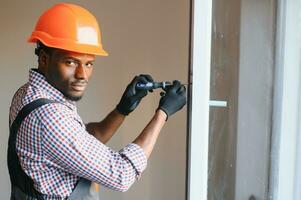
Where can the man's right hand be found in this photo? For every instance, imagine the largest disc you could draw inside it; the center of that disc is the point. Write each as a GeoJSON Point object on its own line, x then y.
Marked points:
{"type": "Point", "coordinates": [173, 99]}
{"type": "Point", "coordinates": [131, 96]}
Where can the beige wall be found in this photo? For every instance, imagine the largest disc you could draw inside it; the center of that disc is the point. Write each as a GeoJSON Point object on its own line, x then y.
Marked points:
{"type": "Point", "coordinates": [141, 37]}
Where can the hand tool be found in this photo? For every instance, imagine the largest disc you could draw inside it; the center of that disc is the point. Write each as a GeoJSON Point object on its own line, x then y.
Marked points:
{"type": "Point", "coordinates": [154, 85]}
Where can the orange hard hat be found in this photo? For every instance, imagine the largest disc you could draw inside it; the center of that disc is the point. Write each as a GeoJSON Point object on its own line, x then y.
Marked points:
{"type": "Point", "coordinates": [69, 27]}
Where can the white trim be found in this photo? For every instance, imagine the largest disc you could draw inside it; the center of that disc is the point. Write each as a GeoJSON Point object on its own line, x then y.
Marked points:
{"type": "Point", "coordinates": [199, 135]}
{"type": "Point", "coordinates": [286, 153]}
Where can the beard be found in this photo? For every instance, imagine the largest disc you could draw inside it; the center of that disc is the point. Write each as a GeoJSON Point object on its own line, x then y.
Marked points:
{"type": "Point", "coordinates": [72, 98]}
{"type": "Point", "coordinates": [70, 95]}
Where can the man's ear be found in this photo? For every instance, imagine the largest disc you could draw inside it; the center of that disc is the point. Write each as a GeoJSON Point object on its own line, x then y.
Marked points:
{"type": "Point", "coordinates": [43, 61]}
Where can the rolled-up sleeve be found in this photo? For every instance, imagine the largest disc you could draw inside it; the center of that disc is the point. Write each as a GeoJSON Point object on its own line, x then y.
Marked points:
{"type": "Point", "coordinates": [135, 154]}
{"type": "Point", "coordinates": [71, 147]}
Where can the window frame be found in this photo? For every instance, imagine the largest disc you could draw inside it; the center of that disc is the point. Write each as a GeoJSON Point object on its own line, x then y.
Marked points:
{"type": "Point", "coordinates": [198, 115]}
{"type": "Point", "coordinates": [285, 172]}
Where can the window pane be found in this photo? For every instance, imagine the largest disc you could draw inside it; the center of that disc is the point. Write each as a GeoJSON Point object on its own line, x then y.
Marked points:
{"type": "Point", "coordinates": [241, 74]}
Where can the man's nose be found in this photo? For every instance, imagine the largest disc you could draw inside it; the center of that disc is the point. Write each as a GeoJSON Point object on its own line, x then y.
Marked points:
{"type": "Point", "coordinates": [80, 72]}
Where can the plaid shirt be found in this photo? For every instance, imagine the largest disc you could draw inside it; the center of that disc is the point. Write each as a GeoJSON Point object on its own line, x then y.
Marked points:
{"type": "Point", "coordinates": [55, 149]}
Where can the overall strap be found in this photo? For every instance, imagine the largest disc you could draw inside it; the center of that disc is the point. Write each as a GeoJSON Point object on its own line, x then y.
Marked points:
{"type": "Point", "coordinates": [18, 177]}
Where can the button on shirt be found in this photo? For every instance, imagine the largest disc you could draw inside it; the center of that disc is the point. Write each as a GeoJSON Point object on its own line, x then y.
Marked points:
{"type": "Point", "coordinates": [55, 149]}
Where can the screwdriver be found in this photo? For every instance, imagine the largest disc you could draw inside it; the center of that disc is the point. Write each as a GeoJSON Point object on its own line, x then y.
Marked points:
{"type": "Point", "coordinates": [154, 85]}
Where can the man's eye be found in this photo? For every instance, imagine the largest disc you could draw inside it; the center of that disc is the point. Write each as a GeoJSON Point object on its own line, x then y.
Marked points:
{"type": "Point", "coordinates": [70, 63]}
{"type": "Point", "coordinates": [89, 65]}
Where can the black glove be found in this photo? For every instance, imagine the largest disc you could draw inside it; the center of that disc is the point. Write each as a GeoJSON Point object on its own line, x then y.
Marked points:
{"type": "Point", "coordinates": [173, 99]}
{"type": "Point", "coordinates": [131, 96]}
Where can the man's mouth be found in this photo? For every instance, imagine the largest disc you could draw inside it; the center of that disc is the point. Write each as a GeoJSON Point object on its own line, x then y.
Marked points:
{"type": "Point", "coordinates": [78, 86]}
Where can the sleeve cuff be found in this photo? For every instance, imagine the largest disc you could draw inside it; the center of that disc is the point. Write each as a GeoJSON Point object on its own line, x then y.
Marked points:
{"type": "Point", "coordinates": [136, 156]}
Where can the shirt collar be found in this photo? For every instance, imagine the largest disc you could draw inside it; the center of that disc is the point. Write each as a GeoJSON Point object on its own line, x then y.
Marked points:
{"type": "Point", "coordinates": [39, 81]}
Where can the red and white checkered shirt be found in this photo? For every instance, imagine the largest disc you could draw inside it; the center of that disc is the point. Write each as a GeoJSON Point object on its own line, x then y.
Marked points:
{"type": "Point", "coordinates": [55, 149]}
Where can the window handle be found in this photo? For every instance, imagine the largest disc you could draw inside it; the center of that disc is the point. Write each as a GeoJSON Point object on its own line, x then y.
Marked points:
{"type": "Point", "coordinates": [218, 103]}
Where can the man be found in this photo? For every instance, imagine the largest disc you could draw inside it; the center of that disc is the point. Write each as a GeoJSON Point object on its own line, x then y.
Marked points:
{"type": "Point", "coordinates": [52, 154]}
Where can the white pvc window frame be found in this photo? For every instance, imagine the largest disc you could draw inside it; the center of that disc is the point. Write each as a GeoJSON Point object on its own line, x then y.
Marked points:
{"type": "Point", "coordinates": [197, 181]}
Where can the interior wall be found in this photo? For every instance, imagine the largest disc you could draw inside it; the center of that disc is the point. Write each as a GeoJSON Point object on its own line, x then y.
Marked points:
{"type": "Point", "coordinates": [141, 37]}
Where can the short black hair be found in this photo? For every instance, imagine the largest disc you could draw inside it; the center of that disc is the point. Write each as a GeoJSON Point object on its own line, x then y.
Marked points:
{"type": "Point", "coordinates": [41, 46]}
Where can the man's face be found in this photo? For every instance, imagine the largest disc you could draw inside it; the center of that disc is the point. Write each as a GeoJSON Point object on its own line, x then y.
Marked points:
{"type": "Point", "coordinates": [69, 72]}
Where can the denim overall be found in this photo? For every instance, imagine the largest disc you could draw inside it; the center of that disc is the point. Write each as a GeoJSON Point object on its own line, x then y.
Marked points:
{"type": "Point", "coordinates": [22, 185]}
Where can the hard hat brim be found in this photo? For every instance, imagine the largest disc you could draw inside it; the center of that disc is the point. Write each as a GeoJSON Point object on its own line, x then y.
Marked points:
{"type": "Point", "coordinates": [66, 45]}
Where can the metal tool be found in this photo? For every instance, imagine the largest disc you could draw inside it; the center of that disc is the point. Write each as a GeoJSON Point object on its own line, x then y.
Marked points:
{"type": "Point", "coordinates": [154, 85]}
